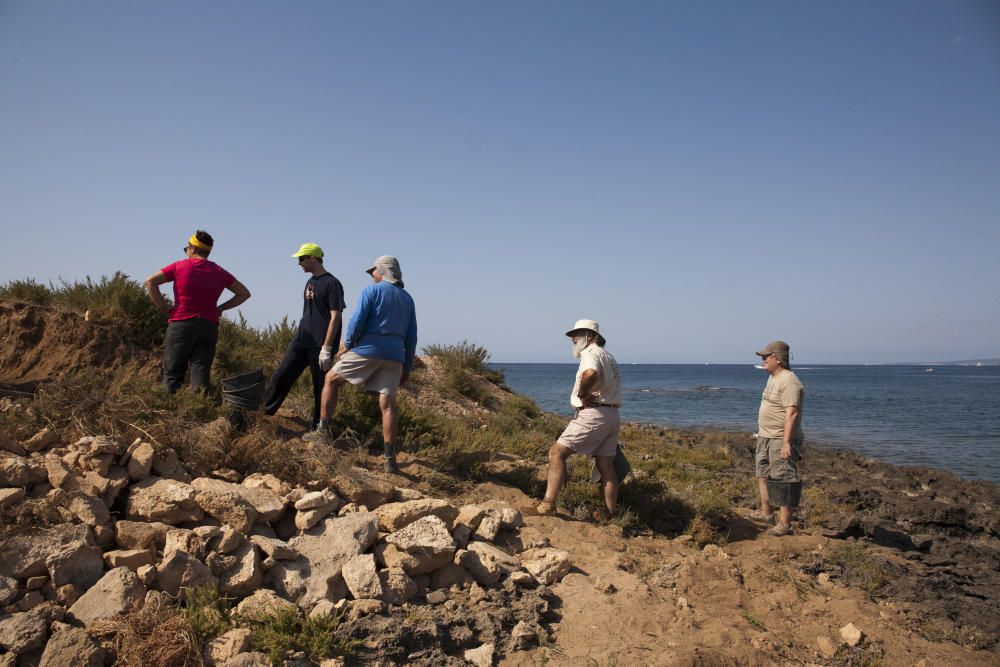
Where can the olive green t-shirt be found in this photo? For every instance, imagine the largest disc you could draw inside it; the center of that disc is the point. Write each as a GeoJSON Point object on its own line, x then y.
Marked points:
{"type": "Point", "coordinates": [781, 391]}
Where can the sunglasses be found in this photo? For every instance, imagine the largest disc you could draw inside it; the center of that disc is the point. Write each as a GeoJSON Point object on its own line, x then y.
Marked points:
{"type": "Point", "coordinates": [303, 258]}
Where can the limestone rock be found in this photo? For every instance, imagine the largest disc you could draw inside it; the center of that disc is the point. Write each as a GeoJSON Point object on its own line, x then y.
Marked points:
{"type": "Point", "coordinates": [264, 603]}
{"type": "Point", "coordinates": [265, 480]}
{"type": "Point", "coordinates": [71, 647]}
{"type": "Point", "coordinates": [228, 508]}
{"type": "Point", "coordinates": [41, 440]}
{"type": "Point", "coordinates": [8, 590]}
{"type": "Point", "coordinates": [426, 539]}
{"type": "Point", "coordinates": [397, 586]}
{"type": "Point", "coordinates": [146, 574]}
{"type": "Point", "coordinates": [306, 519]}
{"type": "Point", "coordinates": [118, 592]}
{"type": "Point", "coordinates": [165, 500]}
{"type": "Point", "coordinates": [26, 631]}
{"type": "Point", "coordinates": [274, 548]}
{"type": "Point", "coordinates": [316, 499]}
{"type": "Point", "coordinates": [504, 560]}
{"type": "Point", "coordinates": [361, 577]}
{"type": "Point", "coordinates": [133, 559]}
{"type": "Point", "coordinates": [182, 539]}
{"type": "Point", "coordinates": [461, 533]}
{"type": "Point", "coordinates": [470, 515]}
{"type": "Point", "coordinates": [482, 656]}
{"type": "Point", "coordinates": [547, 565]}
{"type": "Point", "coordinates": [227, 646]}
{"type": "Point", "coordinates": [245, 576]}
{"type": "Point", "coordinates": [403, 494]}
{"type": "Point", "coordinates": [450, 575]}
{"type": "Point", "coordinates": [826, 647]}
{"type": "Point", "coordinates": [488, 528]}
{"type": "Point", "coordinates": [851, 634]}
{"type": "Point", "coordinates": [323, 608]}
{"type": "Point", "coordinates": [10, 496]}
{"type": "Point", "coordinates": [395, 516]}
{"type": "Point", "coordinates": [326, 547]}
{"type": "Point", "coordinates": [11, 446]}
{"type": "Point", "coordinates": [524, 635]}
{"type": "Point", "coordinates": [88, 509]}
{"type": "Point", "coordinates": [21, 470]}
{"type": "Point", "coordinates": [181, 569]}
{"type": "Point", "coordinates": [359, 486]}
{"type": "Point", "coordinates": [522, 579]}
{"type": "Point", "coordinates": [140, 463]}
{"type": "Point", "coordinates": [391, 556]}
{"type": "Point", "coordinates": [141, 535]}
{"type": "Point", "coordinates": [251, 659]}
{"type": "Point", "coordinates": [483, 567]}
{"type": "Point", "coordinates": [77, 563]}
{"type": "Point", "coordinates": [167, 466]}
{"type": "Point", "coordinates": [268, 504]}
{"type": "Point", "coordinates": [361, 608]}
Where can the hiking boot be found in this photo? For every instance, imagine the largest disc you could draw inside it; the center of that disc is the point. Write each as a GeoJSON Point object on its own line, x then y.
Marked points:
{"type": "Point", "coordinates": [390, 459]}
{"type": "Point", "coordinates": [780, 530]}
{"type": "Point", "coordinates": [320, 435]}
{"type": "Point", "coordinates": [757, 515]}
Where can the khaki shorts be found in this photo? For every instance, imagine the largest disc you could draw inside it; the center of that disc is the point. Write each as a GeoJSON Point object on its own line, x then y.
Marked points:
{"type": "Point", "coordinates": [380, 375]}
{"type": "Point", "coordinates": [769, 463]}
{"type": "Point", "coordinates": [594, 432]}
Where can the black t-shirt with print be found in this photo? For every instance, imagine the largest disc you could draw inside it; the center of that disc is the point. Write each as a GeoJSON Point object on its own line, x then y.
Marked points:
{"type": "Point", "coordinates": [322, 294]}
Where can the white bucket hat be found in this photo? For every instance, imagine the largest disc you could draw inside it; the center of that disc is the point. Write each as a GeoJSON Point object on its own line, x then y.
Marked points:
{"type": "Point", "coordinates": [388, 268]}
{"type": "Point", "coordinates": [587, 325]}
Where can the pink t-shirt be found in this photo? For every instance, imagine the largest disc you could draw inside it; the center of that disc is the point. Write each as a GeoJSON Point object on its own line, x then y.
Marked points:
{"type": "Point", "coordinates": [197, 286]}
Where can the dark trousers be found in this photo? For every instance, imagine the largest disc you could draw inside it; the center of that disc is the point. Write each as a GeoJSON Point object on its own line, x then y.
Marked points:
{"type": "Point", "coordinates": [191, 341]}
{"type": "Point", "coordinates": [293, 362]}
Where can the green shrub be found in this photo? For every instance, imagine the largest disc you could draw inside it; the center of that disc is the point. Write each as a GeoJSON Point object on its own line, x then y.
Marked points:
{"type": "Point", "coordinates": [242, 347]}
{"type": "Point", "coordinates": [287, 632]}
{"type": "Point", "coordinates": [859, 568]}
{"type": "Point", "coordinates": [464, 366]}
{"type": "Point", "coordinates": [26, 290]}
{"type": "Point", "coordinates": [206, 612]}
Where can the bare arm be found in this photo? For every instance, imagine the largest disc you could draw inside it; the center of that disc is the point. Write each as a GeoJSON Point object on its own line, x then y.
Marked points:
{"type": "Point", "coordinates": [587, 383]}
{"type": "Point", "coordinates": [240, 294]}
{"type": "Point", "coordinates": [331, 329]}
{"type": "Point", "coordinates": [153, 289]}
{"type": "Point", "coordinates": [792, 415]}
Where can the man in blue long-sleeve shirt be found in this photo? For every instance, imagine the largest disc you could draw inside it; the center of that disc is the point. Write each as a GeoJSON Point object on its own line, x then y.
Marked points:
{"type": "Point", "coordinates": [377, 353]}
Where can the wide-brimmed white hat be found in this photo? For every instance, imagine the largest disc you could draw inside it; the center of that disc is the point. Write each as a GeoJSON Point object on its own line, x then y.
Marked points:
{"type": "Point", "coordinates": [587, 325]}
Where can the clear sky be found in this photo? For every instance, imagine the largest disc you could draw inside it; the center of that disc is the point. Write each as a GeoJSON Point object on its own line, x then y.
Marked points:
{"type": "Point", "coordinates": [700, 177]}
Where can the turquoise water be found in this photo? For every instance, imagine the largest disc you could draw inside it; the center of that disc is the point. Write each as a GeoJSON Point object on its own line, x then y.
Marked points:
{"type": "Point", "coordinates": [948, 418]}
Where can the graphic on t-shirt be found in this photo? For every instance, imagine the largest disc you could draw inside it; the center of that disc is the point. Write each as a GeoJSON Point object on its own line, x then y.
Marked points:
{"type": "Point", "coordinates": [310, 292]}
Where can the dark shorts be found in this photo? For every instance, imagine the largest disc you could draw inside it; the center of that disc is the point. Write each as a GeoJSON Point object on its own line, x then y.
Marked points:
{"type": "Point", "coordinates": [769, 464]}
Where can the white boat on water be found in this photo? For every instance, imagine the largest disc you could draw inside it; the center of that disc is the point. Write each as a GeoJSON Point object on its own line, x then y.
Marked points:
{"type": "Point", "coordinates": [929, 370]}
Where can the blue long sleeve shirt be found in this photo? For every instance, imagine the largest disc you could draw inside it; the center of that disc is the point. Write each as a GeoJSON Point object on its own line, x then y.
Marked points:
{"type": "Point", "coordinates": [384, 326]}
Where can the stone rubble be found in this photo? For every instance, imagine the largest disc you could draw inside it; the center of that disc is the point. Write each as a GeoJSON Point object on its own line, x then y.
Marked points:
{"type": "Point", "coordinates": [137, 525]}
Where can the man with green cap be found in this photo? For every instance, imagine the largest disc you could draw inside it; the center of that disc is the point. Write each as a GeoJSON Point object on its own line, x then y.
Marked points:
{"type": "Point", "coordinates": [318, 335]}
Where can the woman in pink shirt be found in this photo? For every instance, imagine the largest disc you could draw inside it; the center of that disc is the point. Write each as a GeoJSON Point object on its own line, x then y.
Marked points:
{"type": "Point", "coordinates": [193, 326]}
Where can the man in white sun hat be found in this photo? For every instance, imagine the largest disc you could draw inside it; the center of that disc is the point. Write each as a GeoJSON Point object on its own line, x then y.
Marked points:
{"type": "Point", "coordinates": [597, 395]}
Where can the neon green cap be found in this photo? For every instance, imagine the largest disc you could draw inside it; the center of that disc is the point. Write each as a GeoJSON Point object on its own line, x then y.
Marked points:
{"type": "Point", "coordinates": [309, 249]}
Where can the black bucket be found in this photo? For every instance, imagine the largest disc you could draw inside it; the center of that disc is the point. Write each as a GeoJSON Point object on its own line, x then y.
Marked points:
{"type": "Point", "coordinates": [245, 390]}
{"type": "Point", "coordinates": [783, 494]}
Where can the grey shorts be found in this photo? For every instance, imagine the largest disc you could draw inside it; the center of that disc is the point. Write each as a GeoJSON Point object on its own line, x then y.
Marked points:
{"type": "Point", "coordinates": [380, 375]}
{"type": "Point", "coordinates": [769, 464]}
{"type": "Point", "coordinates": [594, 432]}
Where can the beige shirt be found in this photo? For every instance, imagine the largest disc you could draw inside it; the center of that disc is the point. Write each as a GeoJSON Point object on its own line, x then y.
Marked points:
{"type": "Point", "coordinates": [609, 383]}
{"type": "Point", "coordinates": [781, 391]}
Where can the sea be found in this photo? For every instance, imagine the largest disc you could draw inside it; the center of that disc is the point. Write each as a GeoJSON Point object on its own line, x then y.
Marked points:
{"type": "Point", "coordinates": [940, 416]}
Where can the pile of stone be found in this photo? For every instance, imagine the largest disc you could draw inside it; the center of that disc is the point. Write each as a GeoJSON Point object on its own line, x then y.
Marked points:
{"type": "Point", "coordinates": [133, 521]}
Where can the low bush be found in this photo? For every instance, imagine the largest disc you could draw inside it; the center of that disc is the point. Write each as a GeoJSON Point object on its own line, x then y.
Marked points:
{"type": "Point", "coordinates": [287, 632]}
{"type": "Point", "coordinates": [859, 568]}
{"type": "Point", "coordinates": [464, 365]}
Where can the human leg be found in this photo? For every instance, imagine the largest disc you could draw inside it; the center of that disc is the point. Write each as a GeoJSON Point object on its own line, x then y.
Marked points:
{"type": "Point", "coordinates": [203, 353]}
{"type": "Point", "coordinates": [762, 468]}
{"type": "Point", "coordinates": [390, 429]}
{"type": "Point", "coordinates": [610, 481]}
{"type": "Point", "coordinates": [556, 474]}
{"type": "Point", "coordinates": [292, 363]}
{"type": "Point", "coordinates": [177, 346]}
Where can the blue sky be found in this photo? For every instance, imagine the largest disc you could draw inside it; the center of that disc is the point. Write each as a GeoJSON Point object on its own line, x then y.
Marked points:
{"type": "Point", "coordinates": [699, 177]}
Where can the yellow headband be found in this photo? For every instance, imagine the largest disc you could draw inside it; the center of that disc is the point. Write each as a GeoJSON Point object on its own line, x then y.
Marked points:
{"type": "Point", "coordinates": [198, 244]}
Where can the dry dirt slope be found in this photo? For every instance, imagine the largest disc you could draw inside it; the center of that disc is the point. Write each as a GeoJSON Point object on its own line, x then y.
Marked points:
{"type": "Point", "coordinates": [636, 600]}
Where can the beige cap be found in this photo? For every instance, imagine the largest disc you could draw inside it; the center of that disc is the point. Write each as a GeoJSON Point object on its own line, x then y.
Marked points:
{"type": "Point", "coordinates": [587, 325]}
{"type": "Point", "coordinates": [388, 268]}
{"type": "Point", "coordinates": [778, 348]}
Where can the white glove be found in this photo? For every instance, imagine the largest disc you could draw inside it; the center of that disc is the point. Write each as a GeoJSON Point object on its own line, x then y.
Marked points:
{"type": "Point", "coordinates": [326, 357]}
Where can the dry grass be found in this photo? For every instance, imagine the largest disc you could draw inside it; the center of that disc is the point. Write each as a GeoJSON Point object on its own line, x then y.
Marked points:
{"type": "Point", "coordinates": [157, 635]}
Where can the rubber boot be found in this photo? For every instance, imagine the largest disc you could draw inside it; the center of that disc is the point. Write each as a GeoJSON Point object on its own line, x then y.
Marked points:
{"type": "Point", "coordinates": [390, 458]}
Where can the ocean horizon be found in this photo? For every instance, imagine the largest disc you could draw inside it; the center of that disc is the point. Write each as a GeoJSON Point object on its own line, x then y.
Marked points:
{"type": "Point", "coordinates": [942, 415]}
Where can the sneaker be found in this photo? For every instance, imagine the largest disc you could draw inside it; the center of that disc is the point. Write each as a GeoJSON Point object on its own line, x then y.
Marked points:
{"type": "Point", "coordinates": [541, 509]}
{"type": "Point", "coordinates": [780, 530]}
{"type": "Point", "coordinates": [757, 515]}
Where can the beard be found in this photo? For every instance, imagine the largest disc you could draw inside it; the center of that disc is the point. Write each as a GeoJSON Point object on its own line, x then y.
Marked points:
{"type": "Point", "coordinates": [579, 346]}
